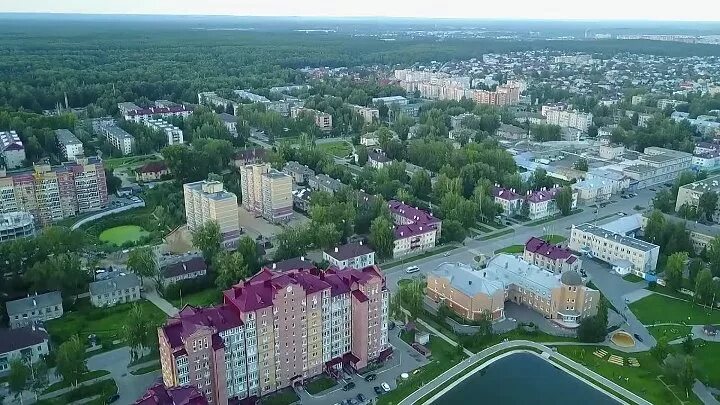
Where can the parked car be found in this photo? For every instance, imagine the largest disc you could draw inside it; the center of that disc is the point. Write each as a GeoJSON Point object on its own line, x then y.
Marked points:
{"type": "Point", "coordinates": [361, 398]}
{"type": "Point", "coordinates": [412, 269]}
{"type": "Point", "coordinates": [370, 377]}
{"type": "Point", "coordinates": [349, 386]}
{"type": "Point", "coordinates": [385, 386]}
{"type": "Point", "coordinates": [638, 337]}
{"type": "Point", "coordinates": [391, 325]}
{"type": "Point", "coordinates": [378, 390]}
{"type": "Point", "coordinates": [112, 398]}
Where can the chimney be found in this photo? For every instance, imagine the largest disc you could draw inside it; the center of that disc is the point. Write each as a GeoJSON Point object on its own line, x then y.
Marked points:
{"type": "Point", "coordinates": [34, 302]}
{"type": "Point", "coordinates": [302, 258]}
{"type": "Point", "coordinates": [469, 282]}
{"type": "Point", "coordinates": [274, 266]}
{"type": "Point", "coordinates": [484, 274]}
{"type": "Point", "coordinates": [336, 249]}
{"type": "Point", "coordinates": [402, 233]}
{"type": "Point", "coordinates": [360, 243]}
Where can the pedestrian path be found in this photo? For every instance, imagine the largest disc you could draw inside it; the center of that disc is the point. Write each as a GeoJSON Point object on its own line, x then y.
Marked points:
{"type": "Point", "coordinates": [152, 295]}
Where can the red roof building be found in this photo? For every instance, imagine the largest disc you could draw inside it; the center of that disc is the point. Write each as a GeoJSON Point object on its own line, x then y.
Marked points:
{"type": "Point", "coordinates": [159, 394]}
{"type": "Point", "coordinates": [548, 256]}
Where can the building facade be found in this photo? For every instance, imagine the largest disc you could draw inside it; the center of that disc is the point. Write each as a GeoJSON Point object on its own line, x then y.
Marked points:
{"type": "Point", "coordinates": [173, 134]}
{"type": "Point", "coordinates": [34, 308]}
{"type": "Point", "coordinates": [323, 120]}
{"type": "Point", "coordinates": [159, 394]}
{"type": "Point", "coordinates": [510, 201]}
{"type": "Point", "coordinates": [52, 193]}
{"type": "Point", "coordinates": [354, 255]}
{"type": "Point", "coordinates": [415, 230]}
{"type": "Point", "coordinates": [474, 293]}
{"type": "Point", "coordinates": [116, 290]}
{"type": "Point", "coordinates": [28, 343]}
{"type": "Point", "coordinates": [152, 171]}
{"type": "Point", "coordinates": [11, 149]}
{"type": "Point", "coordinates": [277, 201]}
{"type": "Point", "coordinates": [70, 147]}
{"type": "Point", "coordinates": [16, 225]}
{"type": "Point", "coordinates": [569, 119]}
{"type": "Point", "coordinates": [550, 257]}
{"type": "Point", "coordinates": [369, 114]}
{"type": "Point", "coordinates": [624, 253]}
{"type": "Point", "coordinates": [116, 136]}
{"type": "Point", "coordinates": [657, 165]}
{"type": "Point", "coordinates": [208, 201]}
{"type": "Point", "coordinates": [277, 330]}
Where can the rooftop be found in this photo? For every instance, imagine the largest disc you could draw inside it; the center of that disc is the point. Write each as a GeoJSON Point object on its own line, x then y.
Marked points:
{"type": "Point", "coordinates": [33, 301]}
{"type": "Point", "coordinates": [159, 394]}
{"type": "Point", "coordinates": [66, 137]}
{"type": "Point", "coordinates": [20, 338]}
{"type": "Point", "coordinates": [185, 265]}
{"type": "Point", "coordinates": [621, 239]}
{"type": "Point", "coordinates": [349, 251]}
{"type": "Point", "coordinates": [467, 279]}
{"type": "Point", "coordinates": [153, 167]}
{"type": "Point", "coordinates": [549, 250]}
{"type": "Point", "coordinates": [16, 219]}
{"type": "Point", "coordinates": [120, 282]}
{"type": "Point", "coordinates": [709, 184]}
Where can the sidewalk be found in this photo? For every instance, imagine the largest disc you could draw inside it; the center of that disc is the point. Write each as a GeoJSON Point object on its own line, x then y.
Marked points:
{"type": "Point", "coordinates": [438, 333]}
{"type": "Point", "coordinates": [151, 295]}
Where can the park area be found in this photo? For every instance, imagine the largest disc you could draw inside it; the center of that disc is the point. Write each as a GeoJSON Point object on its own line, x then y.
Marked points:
{"type": "Point", "coordinates": [120, 235]}
{"type": "Point", "coordinates": [83, 319]}
{"type": "Point", "coordinates": [338, 148]}
{"type": "Point", "coordinates": [656, 308]}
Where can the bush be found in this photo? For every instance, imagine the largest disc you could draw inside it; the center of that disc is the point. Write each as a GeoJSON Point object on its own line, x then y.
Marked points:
{"type": "Point", "coordinates": [172, 291]}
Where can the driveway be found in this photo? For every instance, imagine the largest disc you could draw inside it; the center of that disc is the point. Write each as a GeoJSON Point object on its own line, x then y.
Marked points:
{"type": "Point", "coordinates": [405, 360]}
{"type": "Point", "coordinates": [130, 387]}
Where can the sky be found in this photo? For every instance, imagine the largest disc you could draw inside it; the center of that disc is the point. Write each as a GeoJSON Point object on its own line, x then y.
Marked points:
{"type": "Point", "coordinates": [690, 10]}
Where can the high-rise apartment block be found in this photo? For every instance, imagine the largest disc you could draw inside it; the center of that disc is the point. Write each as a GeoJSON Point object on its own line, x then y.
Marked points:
{"type": "Point", "coordinates": [11, 149]}
{"type": "Point", "coordinates": [116, 136]}
{"type": "Point", "coordinates": [443, 86]}
{"type": "Point", "coordinates": [52, 193]}
{"type": "Point", "coordinates": [267, 192]}
{"type": "Point", "coordinates": [69, 145]}
{"type": "Point", "coordinates": [208, 201]}
{"type": "Point", "coordinates": [276, 330]}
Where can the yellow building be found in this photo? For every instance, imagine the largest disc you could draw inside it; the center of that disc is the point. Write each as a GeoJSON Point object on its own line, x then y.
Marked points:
{"type": "Point", "coordinates": [208, 201]}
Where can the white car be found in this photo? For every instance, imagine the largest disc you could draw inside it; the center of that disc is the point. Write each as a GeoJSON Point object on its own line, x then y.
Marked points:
{"type": "Point", "coordinates": [385, 386]}
{"type": "Point", "coordinates": [412, 269]}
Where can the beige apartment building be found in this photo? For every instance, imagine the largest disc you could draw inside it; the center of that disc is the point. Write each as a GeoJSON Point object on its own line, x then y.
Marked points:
{"type": "Point", "coordinates": [624, 253]}
{"type": "Point", "coordinates": [471, 292]}
{"type": "Point", "coordinates": [657, 165]}
{"type": "Point", "coordinates": [369, 114]}
{"type": "Point", "coordinates": [690, 194]}
{"type": "Point", "coordinates": [207, 200]}
{"type": "Point", "coordinates": [251, 186]}
{"type": "Point", "coordinates": [277, 200]}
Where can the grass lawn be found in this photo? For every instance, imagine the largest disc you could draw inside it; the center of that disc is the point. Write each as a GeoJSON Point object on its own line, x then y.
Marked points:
{"type": "Point", "coordinates": [146, 369]}
{"type": "Point", "coordinates": [669, 332]}
{"type": "Point", "coordinates": [285, 396]}
{"type": "Point", "coordinates": [642, 380]}
{"type": "Point", "coordinates": [112, 164]}
{"type": "Point", "coordinates": [106, 323]}
{"type": "Point", "coordinates": [320, 384]}
{"type": "Point", "coordinates": [554, 238]}
{"type": "Point", "coordinates": [204, 298]}
{"type": "Point", "coordinates": [633, 278]}
{"type": "Point", "coordinates": [512, 249]}
{"type": "Point", "coordinates": [498, 234]}
{"type": "Point", "coordinates": [102, 389]}
{"type": "Point", "coordinates": [121, 234]}
{"type": "Point", "coordinates": [658, 309]}
{"type": "Point", "coordinates": [85, 377]}
{"type": "Point", "coordinates": [444, 356]}
{"type": "Point", "coordinates": [707, 355]}
{"type": "Point", "coordinates": [339, 148]}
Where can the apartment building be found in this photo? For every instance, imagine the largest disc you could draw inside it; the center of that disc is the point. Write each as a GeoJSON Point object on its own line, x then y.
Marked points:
{"type": "Point", "coordinates": [119, 289]}
{"type": "Point", "coordinates": [542, 204]}
{"type": "Point", "coordinates": [277, 201]}
{"type": "Point", "coordinates": [70, 147]}
{"type": "Point", "coordinates": [510, 201]}
{"type": "Point", "coordinates": [127, 106]}
{"type": "Point", "coordinates": [206, 201]}
{"type": "Point", "coordinates": [28, 343]}
{"type": "Point", "coordinates": [624, 253]}
{"type": "Point", "coordinates": [390, 101]}
{"type": "Point", "coordinates": [185, 267]}
{"type": "Point", "coordinates": [173, 134]}
{"type": "Point", "coordinates": [690, 194]}
{"type": "Point", "coordinates": [415, 230]}
{"type": "Point", "coordinates": [377, 159]}
{"type": "Point", "coordinates": [473, 292]}
{"type": "Point", "coordinates": [11, 149]}
{"type": "Point", "coordinates": [251, 186]}
{"type": "Point", "coordinates": [369, 114]}
{"type": "Point", "coordinates": [33, 309]}
{"type": "Point", "coordinates": [569, 119]}
{"type": "Point", "coordinates": [52, 193]}
{"type": "Point", "coordinates": [141, 114]}
{"type": "Point", "coordinates": [116, 136]}
{"type": "Point", "coordinates": [300, 174]}
{"type": "Point", "coordinates": [16, 225]}
{"type": "Point", "coordinates": [323, 120]}
{"type": "Point", "coordinates": [212, 99]}
{"type": "Point", "coordinates": [611, 151]}
{"type": "Point", "coordinates": [550, 257]}
{"type": "Point", "coordinates": [255, 98]}
{"type": "Point", "coordinates": [249, 156]}
{"type": "Point", "coordinates": [657, 165]}
{"type": "Point", "coordinates": [276, 330]}
{"type": "Point", "coordinates": [323, 182]}
{"type": "Point", "coordinates": [354, 255]}
{"type": "Point", "coordinates": [151, 171]}
{"type": "Point", "coordinates": [701, 235]}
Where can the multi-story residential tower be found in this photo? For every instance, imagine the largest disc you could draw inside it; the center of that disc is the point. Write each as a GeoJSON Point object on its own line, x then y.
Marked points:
{"type": "Point", "coordinates": [206, 201]}
{"type": "Point", "coordinates": [276, 330]}
{"type": "Point", "coordinates": [277, 201]}
{"type": "Point", "coordinates": [70, 147]}
{"type": "Point", "coordinates": [52, 193]}
{"type": "Point", "coordinates": [251, 186]}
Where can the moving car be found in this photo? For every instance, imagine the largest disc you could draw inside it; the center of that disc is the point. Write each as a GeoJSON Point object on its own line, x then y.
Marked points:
{"type": "Point", "coordinates": [349, 386]}
{"type": "Point", "coordinates": [378, 390]}
{"type": "Point", "coordinates": [412, 269]}
{"type": "Point", "coordinates": [370, 377]}
{"type": "Point", "coordinates": [385, 386]}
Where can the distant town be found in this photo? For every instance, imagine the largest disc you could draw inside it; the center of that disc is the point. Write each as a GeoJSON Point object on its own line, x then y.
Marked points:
{"type": "Point", "coordinates": [247, 223]}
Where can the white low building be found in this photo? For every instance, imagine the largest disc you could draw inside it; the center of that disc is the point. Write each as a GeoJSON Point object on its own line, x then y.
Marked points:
{"type": "Point", "coordinates": [119, 289]}
{"type": "Point", "coordinates": [353, 255]}
{"type": "Point", "coordinates": [28, 343]}
{"type": "Point", "coordinates": [625, 254]}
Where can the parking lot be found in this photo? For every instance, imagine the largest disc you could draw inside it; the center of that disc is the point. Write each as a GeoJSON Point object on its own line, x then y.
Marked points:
{"type": "Point", "coordinates": [405, 359]}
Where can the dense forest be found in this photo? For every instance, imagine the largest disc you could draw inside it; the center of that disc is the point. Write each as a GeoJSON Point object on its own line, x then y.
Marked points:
{"type": "Point", "coordinates": [113, 61]}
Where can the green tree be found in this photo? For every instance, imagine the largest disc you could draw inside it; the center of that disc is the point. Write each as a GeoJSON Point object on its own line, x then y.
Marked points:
{"type": "Point", "coordinates": [593, 329]}
{"type": "Point", "coordinates": [713, 257]}
{"type": "Point", "coordinates": [421, 184]}
{"type": "Point", "coordinates": [362, 156]}
{"type": "Point", "coordinates": [563, 199]}
{"type": "Point", "coordinates": [452, 231]}
{"type": "Point", "coordinates": [395, 310]}
{"type": "Point", "coordinates": [138, 331]}
{"type": "Point", "coordinates": [382, 237]}
{"type": "Point", "coordinates": [292, 242]}
{"type": "Point", "coordinates": [230, 268]}
{"type": "Point", "coordinates": [581, 164]}
{"type": "Point", "coordinates": [674, 270]}
{"type": "Point", "coordinates": [248, 249]}
{"type": "Point", "coordinates": [70, 362]}
{"type": "Point", "coordinates": [142, 262]}
{"type": "Point", "coordinates": [680, 370]}
{"type": "Point", "coordinates": [39, 373]}
{"type": "Point", "coordinates": [63, 271]}
{"type": "Point", "coordinates": [688, 345]}
{"type": "Point", "coordinates": [113, 182]}
{"type": "Point", "coordinates": [207, 238]}
{"type": "Point", "coordinates": [707, 204]}
{"type": "Point", "coordinates": [704, 287]}
{"type": "Point", "coordinates": [19, 377]}
{"type": "Point", "coordinates": [655, 227]}
{"type": "Point", "coordinates": [660, 351]}
{"type": "Point", "coordinates": [411, 297]}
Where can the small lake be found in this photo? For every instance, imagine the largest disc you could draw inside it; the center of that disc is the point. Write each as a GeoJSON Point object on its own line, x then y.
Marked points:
{"type": "Point", "coordinates": [523, 378]}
